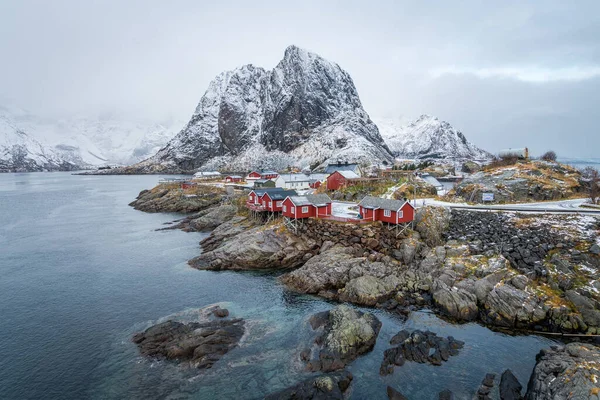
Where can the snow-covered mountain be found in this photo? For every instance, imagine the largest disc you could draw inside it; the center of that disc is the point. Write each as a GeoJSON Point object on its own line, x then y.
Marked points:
{"type": "Point", "coordinates": [304, 112]}
{"type": "Point", "coordinates": [428, 138]}
{"type": "Point", "coordinates": [32, 143]}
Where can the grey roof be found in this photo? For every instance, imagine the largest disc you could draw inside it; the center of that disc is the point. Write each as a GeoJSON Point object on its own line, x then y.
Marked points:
{"type": "Point", "coordinates": [260, 192]}
{"type": "Point", "coordinates": [379, 203]}
{"type": "Point", "coordinates": [302, 177]}
{"type": "Point", "coordinates": [341, 167]}
{"type": "Point", "coordinates": [311, 199]}
{"type": "Point", "coordinates": [280, 195]}
{"type": "Point", "coordinates": [349, 174]}
{"type": "Point", "coordinates": [269, 173]}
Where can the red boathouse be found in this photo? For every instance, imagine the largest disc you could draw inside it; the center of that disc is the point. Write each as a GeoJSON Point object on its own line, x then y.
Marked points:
{"type": "Point", "coordinates": [309, 206]}
{"type": "Point", "coordinates": [233, 178]}
{"type": "Point", "coordinates": [390, 211]}
{"type": "Point", "coordinates": [339, 179]}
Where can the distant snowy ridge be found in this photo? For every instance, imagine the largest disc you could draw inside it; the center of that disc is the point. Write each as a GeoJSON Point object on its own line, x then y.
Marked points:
{"type": "Point", "coordinates": [304, 112]}
{"type": "Point", "coordinates": [428, 138]}
{"type": "Point", "coordinates": [32, 143]}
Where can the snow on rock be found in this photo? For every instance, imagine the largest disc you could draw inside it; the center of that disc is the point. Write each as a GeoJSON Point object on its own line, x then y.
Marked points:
{"type": "Point", "coordinates": [32, 143]}
{"type": "Point", "coordinates": [428, 138]}
{"type": "Point", "coordinates": [306, 111]}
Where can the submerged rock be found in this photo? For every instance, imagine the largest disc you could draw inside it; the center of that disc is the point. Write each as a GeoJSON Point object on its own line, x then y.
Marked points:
{"type": "Point", "coordinates": [418, 346]}
{"type": "Point", "coordinates": [328, 386]}
{"type": "Point", "coordinates": [510, 388]}
{"type": "Point", "coordinates": [569, 372]}
{"type": "Point", "coordinates": [483, 393]}
{"type": "Point", "coordinates": [200, 343]}
{"type": "Point", "coordinates": [345, 334]}
{"type": "Point", "coordinates": [393, 394]}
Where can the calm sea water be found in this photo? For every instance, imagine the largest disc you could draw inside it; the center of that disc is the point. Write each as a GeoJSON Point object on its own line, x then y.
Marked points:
{"type": "Point", "coordinates": [581, 163]}
{"type": "Point", "coordinates": [80, 272]}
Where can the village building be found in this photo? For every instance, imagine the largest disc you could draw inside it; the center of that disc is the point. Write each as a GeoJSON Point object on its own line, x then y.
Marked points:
{"type": "Point", "coordinates": [522, 153]}
{"type": "Point", "coordinates": [264, 183]}
{"type": "Point", "coordinates": [300, 181]}
{"type": "Point", "coordinates": [256, 175]}
{"type": "Point", "coordinates": [343, 166]}
{"type": "Point", "coordinates": [273, 201]}
{"type": "Point", "coordinates": [308, 206]}
{"type": "Point", "coordinates": [386, 210]}
{"type": "Point", "coordinates": [233, 178]}
{"type": "Point", "coordinates": [340, 179]}
{"type": "Point", "coordinates": [254, 197]}
{"type": "Point", "coordinates": [206, 175]}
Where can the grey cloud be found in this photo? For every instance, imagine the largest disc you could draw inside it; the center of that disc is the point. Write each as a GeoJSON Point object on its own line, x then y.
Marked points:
{"type": "Point", "coordinates": [154, 59]}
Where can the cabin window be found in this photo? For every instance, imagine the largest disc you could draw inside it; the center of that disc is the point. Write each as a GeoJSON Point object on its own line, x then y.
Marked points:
{"type": "Point", "coordinates": [400, 214]}
{"type": "Point", "coordinates": [293, 210]}
{"type": "Point", "coordinates": [284, 208]}
{"type": "Point", "coordinates": [304, 210]}
{"type": "Point", "coordinates": [270, 204]}
{"type": "Point", "coordinates": [278, 204]}
{"type": "Point", "coordinates": [387, 213]}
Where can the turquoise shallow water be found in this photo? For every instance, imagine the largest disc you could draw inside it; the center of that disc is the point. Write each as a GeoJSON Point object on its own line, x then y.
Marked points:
{"type": "Point", "coordinates": [80, 272]}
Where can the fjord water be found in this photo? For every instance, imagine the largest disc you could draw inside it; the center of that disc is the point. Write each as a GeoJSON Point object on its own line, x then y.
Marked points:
{"type": "Point", "coordinates": [80, 272]}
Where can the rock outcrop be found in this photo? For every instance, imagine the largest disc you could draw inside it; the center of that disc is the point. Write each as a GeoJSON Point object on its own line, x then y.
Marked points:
{"type": "Point", "coordinates": [343, 335]}
{"type": "Point", "coordinates": [510, 387]}
{"type": "Point", "coordinates": [333, 386]}
{"type": "Point", "coordinates": [420, 347]}
{"type": "Point", "coordinates": [169, 198]}
{"type": "Point", "coordinates": [569, 372]}
{"type": "Point", "coordinates": [201, 344]}
{"type": "Point", "coordinates": [522, 182]}
{"type": "Point", "coordinates": [259, 248]}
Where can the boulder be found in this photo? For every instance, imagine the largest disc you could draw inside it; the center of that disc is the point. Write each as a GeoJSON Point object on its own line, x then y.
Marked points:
{"type": "Point", "coordinates": [420, 347]}
{"type": "Point", "coordinates": [510, 307]}
{"type": "Point", "coordinates": [345, 335]}
{"type": "Point", "coordinates": [595, 249]}
{"type": "Point", "coordinates": [456, 303]}
{"type": "Point", "coordinates": [510, 388]}
{"type": "Point", "coordinates": [568, 372]}
{"type": "Point", "coordinates": [369, 290]}
{"type": "Point", "coordinates": [327, 386]}
{"type": "Point", "coordinates": [199, 344]}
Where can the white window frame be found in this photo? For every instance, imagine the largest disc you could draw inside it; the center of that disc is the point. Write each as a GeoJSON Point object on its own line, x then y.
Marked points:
{"type": "Point", "coordinates": [284, 208]}
{"type": "Point", "coordinates": [278, 204]}
{"type": "Point", "coordinates": [304, 209]}
{"type": "Point", "coordinates": [400, 214]}
{"type": "Point", "coordinates": [270, 204]}
{"type": "Point", "coordinates": [293, 210]}
{"type": "Point", "coordinates": [387, 213]}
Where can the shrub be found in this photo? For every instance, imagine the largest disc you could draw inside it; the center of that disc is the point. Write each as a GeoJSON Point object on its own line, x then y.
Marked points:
{"type": "Point", "coordinates": [549, 156]}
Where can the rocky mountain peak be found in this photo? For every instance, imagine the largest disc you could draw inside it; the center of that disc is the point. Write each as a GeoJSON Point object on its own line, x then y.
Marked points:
{"type": "Point", "coordinates": [428, 137]}
{"type": "Point", "coordinates": [304, 112]}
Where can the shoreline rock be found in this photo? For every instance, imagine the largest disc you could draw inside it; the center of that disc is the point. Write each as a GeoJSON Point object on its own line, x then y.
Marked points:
{"type": "Point", "coordinates": [201, 344]}
{"type": "Point", "coordinates": [327, 386]}
{"type": "Point", "coordinates": [569, 372]}
{"type": "Point", "coordinates": [164, 198]}
{"type": "Point", "coordinates": [344, 335]}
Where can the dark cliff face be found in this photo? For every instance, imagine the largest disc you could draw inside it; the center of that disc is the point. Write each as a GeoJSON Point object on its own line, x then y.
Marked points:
{"type": "Point", "coordinates": [299, 101]}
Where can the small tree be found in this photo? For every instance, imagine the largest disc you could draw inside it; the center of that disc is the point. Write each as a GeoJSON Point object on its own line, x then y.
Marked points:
{"type": "Point", "coordinates": [591, 177]}
{"type": "Point", "coordinates": [549, 156]}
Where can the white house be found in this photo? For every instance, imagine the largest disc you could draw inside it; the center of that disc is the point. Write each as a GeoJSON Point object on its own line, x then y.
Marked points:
{"type": "Point", "coordinates": [207, 175]}
{"type": "Point", "coordinates": [299, 181]}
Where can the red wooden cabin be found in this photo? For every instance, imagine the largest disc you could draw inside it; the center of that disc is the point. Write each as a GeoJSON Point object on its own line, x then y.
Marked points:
{"type": "Point", "coordinates": [339, 179]}
{"type": "Point", "coordinates": [269, 175]}
{"type": "Point", "coordinates": [273, 201]}
{"type": "Point", "coordinates": [233, 178]}
{"type": "Point", "coordinates": [390, 211]}
{"type": "Point", "coordinates": [253, 175]}
{"type": "Point", "coordinates": [309, 206]}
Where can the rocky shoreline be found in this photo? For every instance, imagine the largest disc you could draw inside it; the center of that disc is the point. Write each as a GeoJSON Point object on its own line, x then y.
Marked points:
{"type": "Point", "coordinates": [507, 271]}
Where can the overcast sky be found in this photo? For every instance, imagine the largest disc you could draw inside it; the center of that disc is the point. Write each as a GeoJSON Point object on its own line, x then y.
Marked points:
{"type": "Point", "coordinates": [507, 74]}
